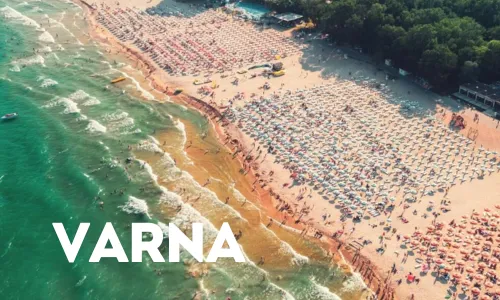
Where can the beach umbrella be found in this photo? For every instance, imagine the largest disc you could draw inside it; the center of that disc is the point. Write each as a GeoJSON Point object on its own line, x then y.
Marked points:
{"type": "Point", "coordinates": [475, 291]}
{"type": "Point", "coordinates": [479, 277]}
{"type": "Point", "coordinates": [465, 282]}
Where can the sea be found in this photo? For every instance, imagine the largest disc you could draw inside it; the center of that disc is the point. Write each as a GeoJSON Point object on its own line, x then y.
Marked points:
{"type": "Point", "coordinates": [85, 150]}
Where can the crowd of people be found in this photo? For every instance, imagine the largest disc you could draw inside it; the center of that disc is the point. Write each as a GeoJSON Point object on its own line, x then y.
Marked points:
{"type": "Point", "coordinates": [211, 41]}
{"type": "Point", "coordinates": [346, 141]}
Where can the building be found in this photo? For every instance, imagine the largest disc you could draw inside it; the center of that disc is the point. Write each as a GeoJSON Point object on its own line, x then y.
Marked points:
{"type": "Point", "coordinates": [287, 19]}
{"type": "Point", "coordinates": [483, 93]}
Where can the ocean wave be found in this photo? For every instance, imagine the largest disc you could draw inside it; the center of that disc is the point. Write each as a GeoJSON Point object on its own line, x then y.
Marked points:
{"type": "Point", "coordinates": [10, 13]}
{"type": "Point", "coordinates": [297, 259]}
{"type": "Point", "coordinates": [82, 117]}
{"type": "Point", "coordinates": [69, 106]}
{"type": "Point", "coordinates": [149, 146]}
{"type": "Point", "coordinates": [148, 169]}
{"type": "Point", "coordinates": [47, 82]}
{"type": "Point", "coordinates": [91, 102]}
{"type": "Point", "coordinates": [81, 95]}
{"type": "Point", "coordinates": [187, 215]}
{"type": "Point", "coordinates": [15, 68]}
{"type": "Point", "coordinates": [322, 292]}
{"type": "Point", "coordinates": [95, 126]}
{"type": "Point", "coordinates": [136, 206]}
{"type": "Point", "coordinates": [354, 283]}
{"type": "Point", "coordinates": [28, 61]}
{"type": "Point", "coordinates": [46, 37]}
{"type": "Point", "coordinates": [45, 49]}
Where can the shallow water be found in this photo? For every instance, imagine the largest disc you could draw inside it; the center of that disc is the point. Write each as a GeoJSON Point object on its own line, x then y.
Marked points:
{"type": "Point", "coordinates": [67, 152]}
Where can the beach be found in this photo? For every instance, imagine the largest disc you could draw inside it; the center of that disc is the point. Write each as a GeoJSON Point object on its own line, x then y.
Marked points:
{"type": "Point", "coordinates": [482, 134]}
{"type": "Point", "coordinates": [334, 169]}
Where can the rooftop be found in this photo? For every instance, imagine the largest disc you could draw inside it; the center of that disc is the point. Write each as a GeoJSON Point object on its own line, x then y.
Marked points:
{"type": "Point", "coordinates": [483, 89]}
{"type": "Point", "coordinates": [288, 17]}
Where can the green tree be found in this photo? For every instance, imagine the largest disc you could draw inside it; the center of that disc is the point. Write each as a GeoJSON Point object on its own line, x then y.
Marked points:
{"type": "Point", "coordinates": [469, 72]}
{"type": "Point", "coordinates": [438, 65]}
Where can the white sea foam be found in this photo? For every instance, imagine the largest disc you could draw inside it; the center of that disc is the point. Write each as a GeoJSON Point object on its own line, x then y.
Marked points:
{"type": "Point", "coordinates": [95, 126]}
{"type": "Point", "coordinates": [46, 37]}
{"type": "Point", "coordinates": [15, 68]}
{"type": "Point", "coordinates": [136, 206]}
{"type": "Point", "coordinates": [118, 121]}
{"type": "Point", "coordinates": [10, 13]}
{"type": "Point", "coordinates": [86, 99]}
{"type": "Point", "coordinates": [28, 61]}
{"type": "Point", "coordinates": [48, 82]}
{"type": "Point", "coordinates": [82, 117]}
{"type": "Point", "coordinates": [187, 215]}
{"type": "Point", "coordinates": [45, 49]}
{"type": "Point", "coordinates": [354, 283]}
{"type": "Point", "coordinates": [322, 292]}
{"type": "Point", "coordinates": [286, 294]}
{"type": "Point", "coordinates": [91, 102]}
{"type": "Point", "coordinates": [297, 259]}
{"type": "Point", "coordinates": [148, 169]}
{"type": "Point", "coordinates": [149, 146]}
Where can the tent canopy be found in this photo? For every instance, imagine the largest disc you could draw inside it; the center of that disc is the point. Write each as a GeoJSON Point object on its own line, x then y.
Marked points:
{"type": "Point", "coordinates": [288, 17]}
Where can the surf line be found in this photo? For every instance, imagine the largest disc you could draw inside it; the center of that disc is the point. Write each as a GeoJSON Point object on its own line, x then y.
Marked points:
{"type": "Point", "coordinates": [176, 238]}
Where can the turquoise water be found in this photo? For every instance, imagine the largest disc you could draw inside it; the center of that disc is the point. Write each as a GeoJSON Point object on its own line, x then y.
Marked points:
{"type": "Point", "coordinates": [254, 9]}
{"type": "Point", "coordinates": [67, 152]}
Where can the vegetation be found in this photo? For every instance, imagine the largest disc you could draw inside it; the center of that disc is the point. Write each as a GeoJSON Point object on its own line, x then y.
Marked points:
{"type": "Point", "coordinates": [444, 41]}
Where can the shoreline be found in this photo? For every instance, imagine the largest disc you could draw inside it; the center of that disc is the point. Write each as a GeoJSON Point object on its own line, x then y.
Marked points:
{"type": "Point", "coordinates": [349, 261]}
{"type": "Point", "coordinates": [371, 269]}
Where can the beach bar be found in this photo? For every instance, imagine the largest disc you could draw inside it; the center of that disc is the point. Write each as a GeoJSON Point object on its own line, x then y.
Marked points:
{"type": "Point", "coordinates": [481, 92]}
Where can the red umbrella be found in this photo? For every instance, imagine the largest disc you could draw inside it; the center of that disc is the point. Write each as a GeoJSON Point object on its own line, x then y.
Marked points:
{"type": "Point", "coordinates": [482, 265]}
{"type": "Point", "coordinates": [460, 262]}
{"type": "Point", "coordinates": [456, 275]}
{"type": "Point", "coordinates": [479, 277]}
{"type": "Point", "coordinates": [485, 297]}
{"type": "Point", "coordinates": [489, 284]}
{"type": "Point", "coordinates": [466, 283]}
{"type": "Point", "coordinates": [470, 270]}
{"type": "Point", "coordinates": [438, 261]}
{"type": "Point", "coordinates": [475, 291]}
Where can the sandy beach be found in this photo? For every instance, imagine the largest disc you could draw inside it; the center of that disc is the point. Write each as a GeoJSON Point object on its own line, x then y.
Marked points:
{"type": "Point", "coordinates": [383, 134]}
